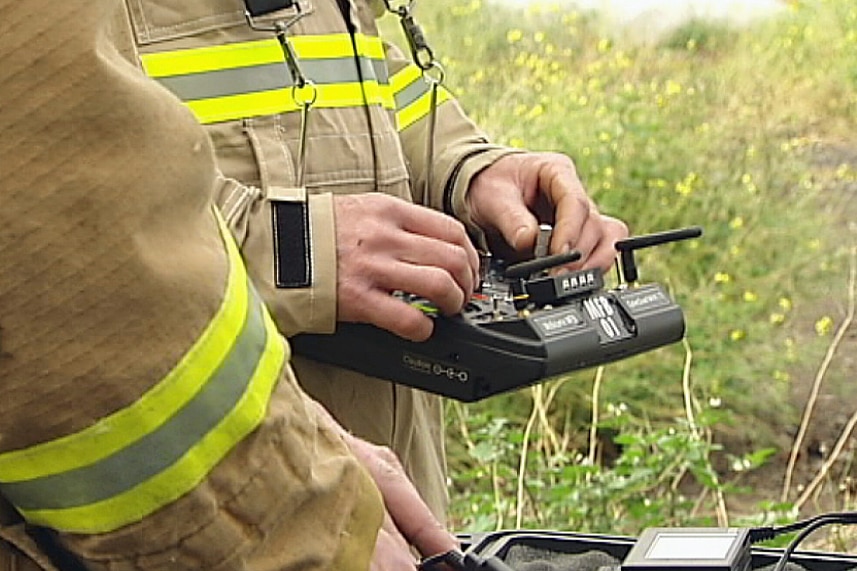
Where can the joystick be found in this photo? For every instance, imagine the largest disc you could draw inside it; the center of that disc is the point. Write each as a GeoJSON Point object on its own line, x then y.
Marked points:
{"type": "Point", "coordinates": [526, 323]}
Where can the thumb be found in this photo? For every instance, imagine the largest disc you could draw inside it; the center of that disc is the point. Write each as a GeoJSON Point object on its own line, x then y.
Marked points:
{"type": "Point", "coordinates": [518, 226]}
{"type": "Point", "coordinates": [502, 211]}
{"type": "Point", "coordinates": [497, 205]}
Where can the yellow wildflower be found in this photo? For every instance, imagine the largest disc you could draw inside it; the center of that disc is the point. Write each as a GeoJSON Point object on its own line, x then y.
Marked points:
{"type": "Point", "coordinates": [824, 326]}
{"type": "Point", "coordinates": [781, 376]}
{"type": "Point", "coordinates": [673, 87]}
{"type": "Point", "coordinates": [514, 36]}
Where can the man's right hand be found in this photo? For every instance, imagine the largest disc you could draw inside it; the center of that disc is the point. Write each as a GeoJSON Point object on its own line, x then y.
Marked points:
{"type": "Point", "coordinates": [385, 244]}
{"type": "Point", "coordinates": [408, 521]}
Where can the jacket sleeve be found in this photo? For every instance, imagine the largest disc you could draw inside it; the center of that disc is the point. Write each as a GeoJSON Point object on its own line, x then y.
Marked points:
{"type": "Point", "coordinates": [461, 148]}
{"type": "Point", "coordinates": [149, 418]}
{"type": "Point", "coordinates": [309, 306]}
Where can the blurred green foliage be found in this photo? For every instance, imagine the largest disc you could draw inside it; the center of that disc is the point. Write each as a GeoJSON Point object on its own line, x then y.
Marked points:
{"type": "Point", "coordinates": [748, 132]}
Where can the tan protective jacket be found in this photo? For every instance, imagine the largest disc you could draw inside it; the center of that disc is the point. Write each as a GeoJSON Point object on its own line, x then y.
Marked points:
{"type": "Point", "coordinates": [366, 133]}
{"type": "Point", "coordinates": [147, 410]}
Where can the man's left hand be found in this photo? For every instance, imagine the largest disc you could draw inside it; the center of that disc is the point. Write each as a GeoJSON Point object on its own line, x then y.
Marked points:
{"type": "Point", "coordinates": [520, 191]}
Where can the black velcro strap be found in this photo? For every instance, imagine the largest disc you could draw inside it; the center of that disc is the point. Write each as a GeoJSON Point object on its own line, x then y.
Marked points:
{"type": "Point", "coordinates": [292, 252]}
{"type": "Point", "coordinates": [264, 7]}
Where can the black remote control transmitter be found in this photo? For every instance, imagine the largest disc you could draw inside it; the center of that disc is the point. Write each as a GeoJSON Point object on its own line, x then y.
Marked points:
{"type": "Point", "coordinates": [523, 326]}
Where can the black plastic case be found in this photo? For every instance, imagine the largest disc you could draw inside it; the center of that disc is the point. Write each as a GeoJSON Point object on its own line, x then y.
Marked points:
{"type": "Point", "coordinates": [499, 543]}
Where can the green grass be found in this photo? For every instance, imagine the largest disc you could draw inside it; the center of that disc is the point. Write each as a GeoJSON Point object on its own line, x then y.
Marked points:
{"type": "Point", "coordinates": [728, 129]}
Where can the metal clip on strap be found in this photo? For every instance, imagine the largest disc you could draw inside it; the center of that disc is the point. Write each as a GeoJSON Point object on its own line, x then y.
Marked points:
{"type": "Point", "coordinates": [304, 92]}
{"type": "Point", "coordinates": [420, 50]}
{"type": "Point", "coordinates": [432, 72]}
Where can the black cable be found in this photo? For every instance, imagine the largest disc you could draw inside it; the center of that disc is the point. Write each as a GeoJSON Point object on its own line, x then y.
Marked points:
{"type": "Point", "coordinates": [809, 526]}
{"type": "Point", "coordinates": [454, 559]}
{"type": "Point", "coordinates": [459, 561]}
{"type": "Point", "coordinates": [759, 534]}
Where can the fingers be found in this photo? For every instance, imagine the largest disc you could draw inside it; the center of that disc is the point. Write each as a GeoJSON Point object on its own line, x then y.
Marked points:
{"type": "Point", "coordinates": [396, 316]}
{"type": "Point", "coordinates": [518, 191]}
{"type": "Point", "coordinates": [365, 296]}
{"type": "Point", "coordinates": [408, 521]}
{"type": "Point", "coordinates": [392, 552]}
{"type": "Point", "coordinates": [518, 226]}
{"type": "Point", "coordinates": [430, 225]}
{"type": "Point", "coordinates": [411, 516]}
{"type": "Point", "coordinates": [592, 234]}
{"type": "Point", "coordinates": [373, 303]}
{"type": "Point", "coordinates": [577, 222]}
{"type": "Point", "coordinates": [392, 549]}
{"type": "Point", "coordinates": [439, 271]}
{"type": "Point", "coordinates": [497, 202]}
{"type": "Point", "coordinates": [603, 253]}
{"type": "Point", "coordinates": [385, 244]}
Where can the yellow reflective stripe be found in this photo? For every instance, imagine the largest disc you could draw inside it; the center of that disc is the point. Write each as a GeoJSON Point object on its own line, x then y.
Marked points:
{"type": "Point", "coordinates": [242, 106]}
{"type": "Point", "coordinates": [257, 52]}
{"type": "Point", "coordinates": [410, 114]}
{"type": "Point", "coordinates": [241, 83]}
{"type": "Point", "coordinates": [404, 77]}
{"type": "Point", "coordinates": [337, 45]}
{"type": "Point", "coordinates": [62, 459]}
{"type": "Point", "coordinates": [378, 94]}
{"type": "Point", "coordinates": [186, 474]}
{"type": "Point", "coordinates": [212, 58]}
{"type": "Point", "coordinates": [370, 46]}
{"type": "Point", "coordinates": [412, 96]}
{"type": "Point", "coordinates": [120, 429]}
{"type": "Point", "coordinates": [234, 107]}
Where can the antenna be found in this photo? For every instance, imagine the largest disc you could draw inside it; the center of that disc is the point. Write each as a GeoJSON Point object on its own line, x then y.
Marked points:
{"type": "Point", "coordinates": [628, 246]}
{"type": "Point", "coordinates": [524, 269]}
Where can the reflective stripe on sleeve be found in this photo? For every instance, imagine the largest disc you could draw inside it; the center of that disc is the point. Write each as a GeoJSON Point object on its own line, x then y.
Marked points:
{"type": "Point", "coordinates": [149, 454]}
{"type": "Point", "coordinates": [412, 94]}
{"type": "Point", "coordinates": [249, 79]}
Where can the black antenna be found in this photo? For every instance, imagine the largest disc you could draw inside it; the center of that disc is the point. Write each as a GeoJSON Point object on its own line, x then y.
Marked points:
{"type": "Point", "coordinates": [628, 246]}
{"type": "Point", "coordinates": [524, 269]}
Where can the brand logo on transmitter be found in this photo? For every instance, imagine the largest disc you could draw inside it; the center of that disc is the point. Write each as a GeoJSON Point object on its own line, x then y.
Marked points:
{"type": "Point", "coordinates": [643, 300]}
{"type": "Point", "coordinates": [558, 322]}
{"type": "Point", "coordinates": [435, 368]}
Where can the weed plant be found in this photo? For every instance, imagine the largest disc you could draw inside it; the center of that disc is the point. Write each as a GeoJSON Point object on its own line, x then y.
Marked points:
{"type": "Point", "coordinates": [748, 132]}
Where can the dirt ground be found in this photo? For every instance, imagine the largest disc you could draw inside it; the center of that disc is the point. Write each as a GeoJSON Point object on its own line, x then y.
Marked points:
{"type": "Point", "coordinates": [836, 403]}
{"type": "Point", "coordinates": [837, 395]}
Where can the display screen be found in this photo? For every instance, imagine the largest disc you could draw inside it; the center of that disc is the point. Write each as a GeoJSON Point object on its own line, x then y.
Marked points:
{"type": "Point", "coordinates": [691, 546]}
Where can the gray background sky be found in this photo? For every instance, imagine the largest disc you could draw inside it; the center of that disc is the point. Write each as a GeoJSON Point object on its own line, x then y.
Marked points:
{"type": "Point", "coordinates": [650, 19]}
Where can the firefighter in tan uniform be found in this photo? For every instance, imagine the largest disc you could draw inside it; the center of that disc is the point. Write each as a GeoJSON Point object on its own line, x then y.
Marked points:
{"type": "Point", "coordinates": [149, 419]}
{"type": "Point", "coordinates": [367, 130]}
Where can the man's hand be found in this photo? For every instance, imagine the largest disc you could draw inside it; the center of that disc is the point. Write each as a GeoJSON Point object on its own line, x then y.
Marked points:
{"type": "Point", "coordinates": [520, 191]}
{"type": "Point", "coordinates": [408, 522]}
{"type": "Point", "coordinates": [385, 244]}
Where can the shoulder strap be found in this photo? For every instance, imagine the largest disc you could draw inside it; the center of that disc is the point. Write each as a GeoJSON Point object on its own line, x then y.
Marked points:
{"type": "Point", "coordinates": [345, 9]}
